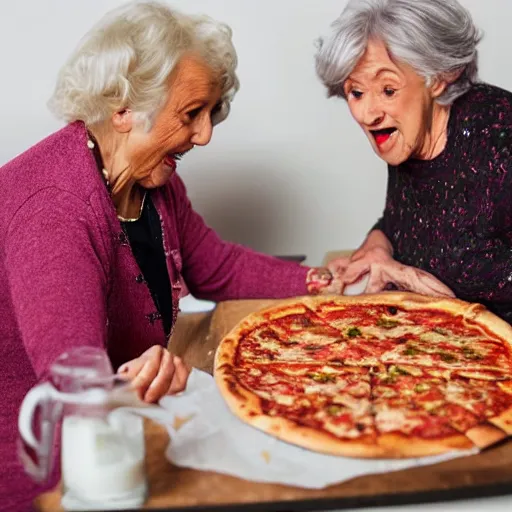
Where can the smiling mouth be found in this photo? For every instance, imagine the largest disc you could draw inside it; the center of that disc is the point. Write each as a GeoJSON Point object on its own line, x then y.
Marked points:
{"type": "Point", "coordinates": [381, 136]}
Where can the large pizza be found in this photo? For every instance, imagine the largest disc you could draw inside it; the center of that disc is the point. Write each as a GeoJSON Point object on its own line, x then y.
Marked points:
{"type": "Point", "coordinates": [386, 375]}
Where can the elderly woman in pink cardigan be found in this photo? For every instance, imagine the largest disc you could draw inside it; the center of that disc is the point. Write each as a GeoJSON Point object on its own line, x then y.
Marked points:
{"type": "Point", "coordinates": [98, 238]}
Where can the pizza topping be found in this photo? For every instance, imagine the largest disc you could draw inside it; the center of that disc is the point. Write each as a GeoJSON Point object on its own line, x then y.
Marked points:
{"type": "Point", "coordinates": [440, 373]}
{"type": "Point", "coordinates": [470, 353]}
{"type": "Point", "coordinates": [335, 410]}
{"type": "Point", "coordinates": [353, 332]}
{"type": "Point", "coordinates": [322, 377]}
{"type": "Point", "coordinates": [392, 310]}
{"type": "Point", "coordinates": [421, 387]}
{"type": "Point", "coordinates": [387, 323]}
{"type": "Point", "coordinates": [447, 357]}
{"type": "Point", "coordinates": [313, 347]}
{"type": "Point", "coordinates": [344, 427]}
{"type": "Point", "coordinates": [358, 406]}
{"type": "Point", "coordinates": [268, 333]}
{"type": "Point", "coordinates": [391, 420]}
{"type": "Point", "coordinates": [407, 369]}
{"type": "Point", "coordinates": [270, 345]}
{"type": "Point", "coordinates": [410, 351]}
{"type": "Point", "coordinates": [384, 392]}
{"type": "Point", "coordinates": [282, 399]}
{"type": "Point", "coordinates": [395, 370]}
{"type": "Point", "coordinates": [457, 416]}
{"type": "Point", "coordinates": [483, 375]}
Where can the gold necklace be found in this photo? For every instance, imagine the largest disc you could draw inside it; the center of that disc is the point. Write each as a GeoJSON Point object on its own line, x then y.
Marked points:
{"type": "Point", "coordinates": [91, 144]}
{"type": "Point", "coordinates": [135, 219]}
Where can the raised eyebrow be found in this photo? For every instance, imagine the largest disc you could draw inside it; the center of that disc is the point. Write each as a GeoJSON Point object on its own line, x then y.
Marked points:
{"type": "Point", "coordinates": [381, 71]}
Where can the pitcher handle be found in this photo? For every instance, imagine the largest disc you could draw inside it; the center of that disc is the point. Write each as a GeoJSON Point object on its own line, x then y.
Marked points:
{"type": "Point", "coordinates": [42, 395]}
{"type": "Point", "coordinates": [36, 396]}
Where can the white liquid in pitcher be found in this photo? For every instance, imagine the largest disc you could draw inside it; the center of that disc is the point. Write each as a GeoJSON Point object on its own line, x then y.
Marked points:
{"type": "Point", "coordinates": [98, 461]}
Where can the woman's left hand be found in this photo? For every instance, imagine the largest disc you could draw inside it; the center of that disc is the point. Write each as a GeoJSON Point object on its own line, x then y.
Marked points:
{"type": "Point", "coordinates": [156, 373]}
{"type": "Point", "coordinates": [388, 272]}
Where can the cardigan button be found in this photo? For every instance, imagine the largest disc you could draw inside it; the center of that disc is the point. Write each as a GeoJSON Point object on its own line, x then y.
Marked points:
{"type": "Point", "coordinates": [123, 239]}
{"type": "Point", "coordinates": [140, 279]}
{"type": "Point", "coordinates": [153, 317]}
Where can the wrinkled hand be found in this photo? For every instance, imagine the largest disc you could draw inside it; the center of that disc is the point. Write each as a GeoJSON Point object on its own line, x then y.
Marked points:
{"type": "Point", "coordinates": [385, 272]}
{"type": "Point", "coordinates": [156, 373]}
{"type": "Point", "coordinates": [323, 281]}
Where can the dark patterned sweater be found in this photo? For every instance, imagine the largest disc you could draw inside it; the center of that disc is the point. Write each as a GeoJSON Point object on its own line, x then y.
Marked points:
{"type": "Point", "coordinates": [452, 216]}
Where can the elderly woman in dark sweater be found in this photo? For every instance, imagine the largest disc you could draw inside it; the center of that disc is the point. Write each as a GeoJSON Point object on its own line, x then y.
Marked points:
{"type": "Point", "coordinates": [408, 70]}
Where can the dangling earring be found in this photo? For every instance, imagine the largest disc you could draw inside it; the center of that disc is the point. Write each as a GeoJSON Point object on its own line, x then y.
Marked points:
{"type": "Point", "coordinates": [105, 175]}
{"type": "Point", "coordinates": [91, 144]}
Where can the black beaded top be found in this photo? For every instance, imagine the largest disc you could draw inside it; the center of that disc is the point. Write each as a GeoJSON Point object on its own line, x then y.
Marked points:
{"type": "Point", "coordinates": [452, 216]}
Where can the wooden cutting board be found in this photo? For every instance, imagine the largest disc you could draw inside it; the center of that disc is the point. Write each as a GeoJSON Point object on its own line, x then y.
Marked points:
{"type": "Point", "coordinates": [173, 488]}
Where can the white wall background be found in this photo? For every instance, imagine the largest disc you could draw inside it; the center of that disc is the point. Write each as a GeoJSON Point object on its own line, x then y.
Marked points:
{"type": "Point", "coordinates": [289, 171]}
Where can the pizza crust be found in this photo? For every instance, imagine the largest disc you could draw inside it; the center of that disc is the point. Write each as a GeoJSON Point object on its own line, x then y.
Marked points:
{"type": "Point", "coordinates": [485, 435]}
{"type": "Point", "coordinates": [398, 445]}
{"type": "Point", "coordinates": [504, 421]}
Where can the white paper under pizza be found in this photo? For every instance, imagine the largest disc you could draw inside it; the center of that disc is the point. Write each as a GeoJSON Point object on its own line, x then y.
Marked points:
{"type": "Point", "coordinates": [206, 435]}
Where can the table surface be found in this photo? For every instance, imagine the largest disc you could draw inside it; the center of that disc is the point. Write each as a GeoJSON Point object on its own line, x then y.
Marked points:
{"type": "Point", "coordinates": [173, 488]}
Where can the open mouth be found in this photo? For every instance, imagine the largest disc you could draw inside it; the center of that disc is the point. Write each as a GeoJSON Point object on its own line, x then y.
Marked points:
{"type": "Point", "coordinates": [179, 156]}
{"type": "Point", "coordinates": [382, 135]}
{"type": "Point", "coordinates": [171, 158]}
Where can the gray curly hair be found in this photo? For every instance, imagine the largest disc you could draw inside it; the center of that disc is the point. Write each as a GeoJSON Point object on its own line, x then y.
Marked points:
{"type": "Point", "coordinates": [125, 61]}
{"type": "Point", "coordinates": [436, 37]}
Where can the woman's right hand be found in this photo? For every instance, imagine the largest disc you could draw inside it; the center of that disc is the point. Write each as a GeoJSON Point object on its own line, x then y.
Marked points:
{"type": "Point", "coordinates": [375, 249]}
{"type": "Point", "coordinates": [156, 373]}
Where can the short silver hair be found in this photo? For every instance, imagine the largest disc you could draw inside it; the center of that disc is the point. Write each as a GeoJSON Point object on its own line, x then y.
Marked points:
{"type": "Point", "coordinates": [125, 61]}
{"type": "Point", "coordinates": [436, 37]}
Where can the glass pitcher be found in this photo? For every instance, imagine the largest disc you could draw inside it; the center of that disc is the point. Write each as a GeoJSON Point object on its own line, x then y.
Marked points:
{"type": "Point", "coordinates": [102, 453]}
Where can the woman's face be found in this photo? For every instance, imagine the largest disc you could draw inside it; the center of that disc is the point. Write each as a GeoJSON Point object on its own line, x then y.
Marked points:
{"type": "Point", "coordinates": [392, 104]}
{"type": "Point", "coordinates": [182, 123]}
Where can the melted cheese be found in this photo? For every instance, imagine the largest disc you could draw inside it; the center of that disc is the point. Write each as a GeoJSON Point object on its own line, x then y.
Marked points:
{"type": "Point", "coordinates": [290, 370]}
{"type": "Point", "coordinates": [284, 399]}
{"type": "Point", "coordinates": [456, 394]}
{"type": "Point", "coordinates": [475, 374]}
{"type": "Point", "coordinates": [342, 430]}
{"type": "Point", "coordinates": [295, 354]}
{"type": "Point", "coordinates": [392, 420]}
{"type": "Point", "coordinates": [442, 374]}
{"type": "Point", "coordinates": [362, 361]}
{"type": "Point", "coordinates": [269, 378]}
{"type": "Point", "coordinates": [386, 334]}
{"type": "Point", "coordinates": [360, 389]}
{"type": "Point", "coordinates": [347, 429]}
{"type": "Point", "coordinates": [274, 346]}
{"type": "Point", "coordinates": [358, 406]}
